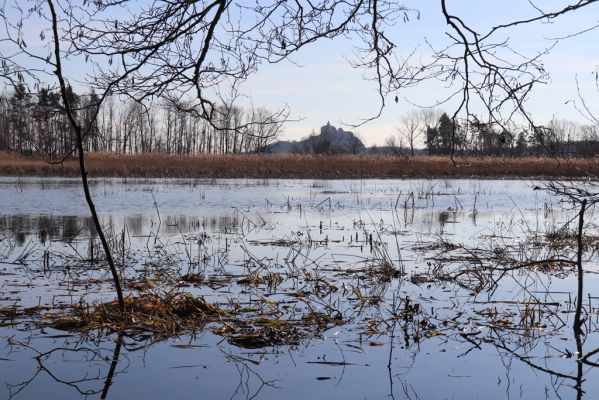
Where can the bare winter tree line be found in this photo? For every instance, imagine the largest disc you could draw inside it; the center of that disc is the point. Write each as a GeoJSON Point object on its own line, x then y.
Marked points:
{"type": "Point", "coordinates": [37, 124]}
{"type": "Point", "coordinates": [438, 134]}
{"type": "Point", "coordinates": [172, 62]}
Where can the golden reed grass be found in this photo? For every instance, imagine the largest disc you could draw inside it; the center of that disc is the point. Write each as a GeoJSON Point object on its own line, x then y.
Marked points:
{"type": "Point", "coordinates": [301, 166]}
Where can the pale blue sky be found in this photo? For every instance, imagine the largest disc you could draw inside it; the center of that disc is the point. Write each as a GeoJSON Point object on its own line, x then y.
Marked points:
{"type": "Point", "coordinates": [326, 88]}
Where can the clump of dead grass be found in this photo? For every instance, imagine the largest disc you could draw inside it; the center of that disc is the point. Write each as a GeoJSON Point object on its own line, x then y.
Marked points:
{"type": "Point", "coordinates": [154, 317]}
{"type": "Point", "coordinates": [266, 333]}
{"type": "Point", "coordinates": [170, 314]}
{"type": "Point", "coordinates": [567, 238]}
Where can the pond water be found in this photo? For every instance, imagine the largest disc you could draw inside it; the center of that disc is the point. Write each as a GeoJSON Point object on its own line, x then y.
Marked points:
{"type": "Point", "coordinates": [424, 289]}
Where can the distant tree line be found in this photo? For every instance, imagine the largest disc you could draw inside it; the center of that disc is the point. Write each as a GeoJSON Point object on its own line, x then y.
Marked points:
{"type": "Point", "coordinates": [37, 124]}
{"type": "Point", "coordinates": [443, 136]}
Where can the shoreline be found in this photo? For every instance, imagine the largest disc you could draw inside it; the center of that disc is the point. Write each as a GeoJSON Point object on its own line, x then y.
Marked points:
{"type": "Point", "coordinates": [292, 166]}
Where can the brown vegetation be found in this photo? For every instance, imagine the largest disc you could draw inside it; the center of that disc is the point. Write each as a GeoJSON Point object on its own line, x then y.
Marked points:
{"type": "Point", "coordinates": [167, 315]}
{"type": "Point", "coordinates": [155, 316]}
{"type": "Point", "coordinates": [301, 166]}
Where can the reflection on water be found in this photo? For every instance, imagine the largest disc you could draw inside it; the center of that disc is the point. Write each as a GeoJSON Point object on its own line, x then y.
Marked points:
{"type": "Point", "coordinates": [67, 228]}
{"type": "Point", "coordinates": [43, 227]}
{"type": "Point", "coordinates": [446, 321]}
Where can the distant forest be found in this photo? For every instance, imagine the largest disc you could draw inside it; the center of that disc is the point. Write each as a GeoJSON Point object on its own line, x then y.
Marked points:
{"type": "Point", "coordinates": [558, 137]}
{"type": "Point", "coordinates": [443, 136]}
{"type": "Point", "coordinates": [37, 124]}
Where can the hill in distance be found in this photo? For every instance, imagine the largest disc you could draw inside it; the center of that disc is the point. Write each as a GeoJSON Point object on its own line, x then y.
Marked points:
{"type": "Point", "coordinates": [331, 140]}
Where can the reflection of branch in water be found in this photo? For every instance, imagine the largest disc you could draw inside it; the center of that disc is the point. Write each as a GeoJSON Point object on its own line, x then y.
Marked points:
{"type": "Point", "coordinates": [343, 361]}
{"type": "Point", "coordinates": [408, 390]}
{"type": "Point", "coordinates": [579, 361]}
{"type": "Point", "coordinates": [394, 307]}
{"type": "Point", "coordinates": [527, 361]}
{"type": "Point", "coordinates": [115, 360]}
{"type": "Point", "coordinates": [41, 357]}
{"type": "Point", "coordinates": [585, 359]}
{"type": "Point", "coordinates": [245, 373]}
{"type": "Point", "coordinates": [87, 353]}
{"type": "Point", "coordinates": [389, 366]}
{"type": "Point", "coordinates": [500, 343]}
{"type": "Point", "coordinates": [578, 321]}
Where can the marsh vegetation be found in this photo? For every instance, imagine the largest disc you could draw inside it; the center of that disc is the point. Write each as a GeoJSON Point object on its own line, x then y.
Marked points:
{"type": "Point", "coordinates": [291, 288]}
{"type": "Point", "coordinates": [302, 166]}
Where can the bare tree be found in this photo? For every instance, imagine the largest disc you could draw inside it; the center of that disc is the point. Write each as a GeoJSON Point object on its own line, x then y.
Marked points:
{"type": "Point", "coordinates": [264, 132]}
{"type": "Point", "coordinates": [78, 129]}
{"type": "Point", "coordinates": [412, 127]}
{"type": "Point", "coordinates": [487, 69]}
{"type": "Point", "coordinates": [168, 49]}
{"type": "Point", "coordinates": [171, 49]}
{"type": "Point", "coordinates": [395, 143]}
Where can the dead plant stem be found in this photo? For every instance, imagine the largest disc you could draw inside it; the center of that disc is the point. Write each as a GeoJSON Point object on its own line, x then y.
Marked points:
{"type": "Point", "coordinates": [577, 319]}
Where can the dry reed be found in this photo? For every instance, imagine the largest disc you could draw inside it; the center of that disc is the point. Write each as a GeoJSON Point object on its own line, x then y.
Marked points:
{"type": "Point", "coordinates": [301, 166]}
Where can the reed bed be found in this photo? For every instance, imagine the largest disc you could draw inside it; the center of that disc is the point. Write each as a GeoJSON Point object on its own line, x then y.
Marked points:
{"type": "Point", "coordinates": [301, 166]}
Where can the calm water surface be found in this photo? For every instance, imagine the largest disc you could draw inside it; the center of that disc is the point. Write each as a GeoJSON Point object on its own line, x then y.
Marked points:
{"type": "Point", "coordinates": [475, 336]}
